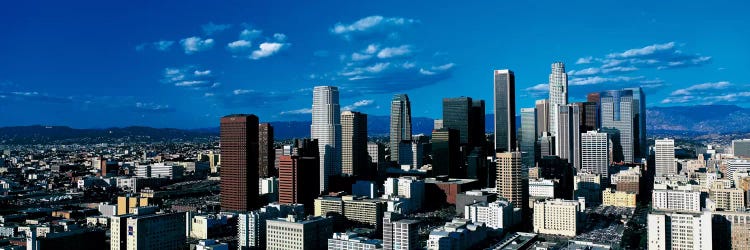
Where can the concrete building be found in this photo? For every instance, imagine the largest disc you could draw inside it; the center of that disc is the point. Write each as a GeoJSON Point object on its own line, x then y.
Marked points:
{"type": "Point", "coordinates": [731, 230]}
{"type": "Point", "coordinates": [528, 136]}
{"type": "Point", "coordinates": [618, 198]}
{"type": "Point", "coordinates": [505, 110]}
{"type": "Point", "coordinates": [266, 152]}
{"type": "Point", "coordinates": [294, 233]}
{"type": "Point", "coordinates": [676, 200]}
{"type": "Point", "coordinates": [203, 227]}
{"type": "Point", "coordinates": [736, 166]}
{"type": "Point", "coordinates": [457, 234]}
{"type": "Point", "coordinates": [447, 158]}
{"type": "Point", "coordinates": [679, 230]}
{"type": "Point", "coordinates": [411, 154]}
{"type": "Point", "coordinates": [152, 231]}
{"type": "Point", "coordinates": [269, 187]}
{"type": "Point", "coordinates": [159, 170]}
{"type": "Point", "coordinates": [128, 202]}
{"type": "Point", "coordinates": [510, 182]}
{"type": "Point", "coordinates": [664, 155]}
{"type": "Point", "coordinates": [618, 114]}
{"type": "Point", "coordinates": [741, 148]}
{"type": "Point", "coordinates": [400, 124]}
{"type": "Point", "coordinates": [595, 156]}
{"type": "Point", "coordinates": [355, 209]}
{"type": "Point", "coordinates": [211, 245]}
{"type": "Point", "coordinates": [367, 189]}
{"type": "Point", "coordinates": [471, 197]}
{"type": "Point", "coordinates": [376, 152]}
{"type": "Point", "coordinates": [298, 175]}
{"type": "Point", "coordinates": [558, 217]}
{"type": "Point", "coordinates": [251, 226]}
{"type": "Point", "coordinates": [542, 116]}
{"type": "Point", "coordinates": [398, 233]}
{"type": "Point", "coordinates": [568, 136]}
{"type": "Point", "coordinates": [588, 186]}
{"type": "Point", "coordinates": [541, 188]}
{"type": "Point", "coordinates": [727, 199]}
{"type": "Point", "coordinates": [354, 158]}
{"type": "Point", "coordinates": [627, 180]}
{"type": "Point", "coordinates": [467, 117]}
{"type": "Point", "coordinates": [326, 128]}
{"type": "Point", "coordinates": [406, 187]}
{"type": "Point", "coordinates": [347, 241]}
{"type": "Point", "coordinates": [496, 215]}
{"type": "Point", "coordinates": [437, 124]}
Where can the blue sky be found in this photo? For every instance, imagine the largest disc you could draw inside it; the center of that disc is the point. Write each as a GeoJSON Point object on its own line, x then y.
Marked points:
{"type": "Point", "coordinates": [185, 63]}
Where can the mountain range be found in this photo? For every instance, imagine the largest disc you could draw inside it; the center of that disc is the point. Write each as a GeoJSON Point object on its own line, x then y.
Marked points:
{"type": "Point", "coordinates": [683, 120]}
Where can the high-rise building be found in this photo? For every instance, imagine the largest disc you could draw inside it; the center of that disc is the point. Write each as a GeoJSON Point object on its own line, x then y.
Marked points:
{"type": "Point", "coordinates": [446, 154]}
{"type": "Point", "coordinates": [150, 231]}
{"type": "Point", "coordinates": [618, 114]}
{"type": "Point", "coordinates": [741, 148]}
{"type": "Point", "coordinates": [664, 158]}
{"type": "Point", "coordinates": [376, 153]}
{"type": "Point", "coordinates": [505, 111]}
{"type": "Point", "coordinates": [251, 226]}
{"type": "Point", "coordinates": [727, 199]}
{"type": "Point", "coordinates": [588, 186]}
{"type": "Point", "coordinates": [679, 230]}
{"type": "Point", "coordinates": [354, 160]}
{"type": "Point", "coordinates": [398, 233]}
{"type": "Point", "coordinates": [558, 94]}
{"type": "Point", "coordinates": [677, 200]}
{"type": "Point", "coordinates": [510, 182]}
{"type": "Point", "coordinates": [467, 117]}
{"type": "Point", "coordinates": [640, 145]}
{"type": "Point", "coordinates": [400, 123]}
{"type": "Point", "coordinates": [558, 217]}
{"type": "Point", "coordinates": [542, 116]}
{"type": "Point", "coordinates": [595, 153]}
{"type": "Point", "coordinates": [589, 116]}
{"type": "Point", "coordinates": [437, 124]}
{"type": "Point", "coordinates": [239, 162]}
{"type": "Point", "coordinates": [546, 145]}
{"type": "Point", "coordinates": [731, 230]}
{"type": "Point", "coordinates": [528, 136]}
{"type": "Point", "coordinates": [266, 152]}
{"type": "Point", "coordinates": [411, 153]}
{"type": "Point", "coordinates": [568, 134]}
{"type": "Point", "coordinates": [326, 128]}
{"type": "Point", "coordinates": [298, 174]}
{"type": "Point", "coordinates": [297, 233]}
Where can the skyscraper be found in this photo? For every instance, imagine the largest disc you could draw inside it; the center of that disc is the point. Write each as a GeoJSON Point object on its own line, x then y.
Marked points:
{"type": "Point", "coordinates": [741, 148]}
{"type": "Point", "coordinates": [664, 158]}
{"type": "Point", "coordinates": [446, 154]}
{"type": "Point", "coordinates": [568, 134]}
{"type": "Point", "coordinates": [595, 153]}
{"type": "Point", "coordinates": [558, 93]}
{"type": "Point", "coordinates": [640, 146]}
{"type": "Point", "coordinates": [617, 113]}
{"type": "Point", "coordinates": [298, 174]}
{"type": "Point", "coordinates": [528, 136]}
{"type": "Point", "coordinates": [467, 117]}
{"type": "Point", "coordinates": [509, 178]}
{"type": "Point", "coordinates": [266, 152]}
{"type": "Point", "coordinates": [354, 159]}
{"type": "Point", "coordinates": [400, 123]}
{"type": "Point", "coordinates": [239, 160]}
{"type": "Point", "coordinates": [326, 128]}
{"type": "Point", "coordinates": [542, 117]}
{"type": "Point", "coordinates": [589, 116]}
{"type": "Point", "coordinates": [477, 128]}
{"type": "Point", "coordinates": [505, 110]}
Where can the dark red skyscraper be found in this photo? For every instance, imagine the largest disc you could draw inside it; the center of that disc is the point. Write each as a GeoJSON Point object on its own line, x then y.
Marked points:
{"type": "Point", "coordinates": [239, 162]}
{"type": "Point", "coordinates": [299, 175]}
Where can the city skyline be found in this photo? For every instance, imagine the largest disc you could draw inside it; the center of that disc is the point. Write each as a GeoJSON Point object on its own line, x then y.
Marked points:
{"type": "Point", "coordinates": [188, 69]}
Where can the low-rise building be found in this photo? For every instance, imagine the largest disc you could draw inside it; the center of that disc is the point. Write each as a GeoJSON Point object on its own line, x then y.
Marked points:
{"type": "Point", "coordinates": [558, 217]}
{"type": "Point", "coordinates": [618, 198]}
{"type": "Point", "coordinates": [346, 241]}
{"type": "Point", "coordinates": [496, 215]}
{"type": "Point", "coordinates": [298, 233]}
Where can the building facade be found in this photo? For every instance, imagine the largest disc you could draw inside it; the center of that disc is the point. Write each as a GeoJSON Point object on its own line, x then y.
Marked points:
{"type": "Point", "coordinates": [505, 110]}
{"type": "Point", "coordinates": [326, 128]}
{"type": "Point", "coordinates": [354, 158]}
{"type": "Point", "coordinates": [239, 162]}
{"type": "Point", "coordinates": [400, 124]}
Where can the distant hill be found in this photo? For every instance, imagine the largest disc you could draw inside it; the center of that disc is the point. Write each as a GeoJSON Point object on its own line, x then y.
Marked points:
{"type": "Point", "coordinates": [700, 119]}
{"type": "Point", "coordinates": [684, 120]}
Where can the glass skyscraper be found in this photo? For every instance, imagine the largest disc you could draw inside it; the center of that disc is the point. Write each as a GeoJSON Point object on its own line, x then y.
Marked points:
{"type": "Point", "coordinates": [528, 136]}
{"type": "Point", "coordinates": [505, 111]}
{"type": "Point", "coordinates": [617, 109]}
{"type": "Point", "coordinates": [400, 123]}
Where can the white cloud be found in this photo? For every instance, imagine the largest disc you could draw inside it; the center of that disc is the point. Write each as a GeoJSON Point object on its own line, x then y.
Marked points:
{"type": "Point", "coordinates": [599, 79]}
{"type": "Point", "coordinates": [163, 45]}
{"type": "Point", "coordinates": [297, 112]}
{"type": "Point", "coordinates": [542, 87]}
{"type": "Point", "coordinates": [359, 104]}
{"type": "Point", "coordinates": [360, 57]}
{"type": "Point", "coordinates": [369, 25]}
{"type": "Point", "coordinates": [371, 49]}
{"type": "Point", "coordinates": [196, 44]}
{"type": "Point", "coordinates": [211, 28]}
{"type": "Point", "coordinates": [584, 60]}
{"type": "Point", "coordinates": [190, 77]}
{"type": "Point", "coordinates": [250, 34]}
{"type": "Point", "coordinates": [267, 49]}
{"type": "Point", "coordinates": [241, 91]}
{"type": "Point", "coordinates": [645, 51]}
{"type": "Point", "coordinates": [279, 37]}
{"type": "Point", "coordinates": [701, 87]}
{"type": "Point", "coordinates": [390, 52]}
{"type": "Point", "coordinates": [239, 45]}
{"type": "Point", "coordinates": [584, 72]}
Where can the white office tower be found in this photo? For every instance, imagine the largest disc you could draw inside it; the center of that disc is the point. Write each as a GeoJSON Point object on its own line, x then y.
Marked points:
{"type": "Point", "coordinates": [676, 199]}
{"type": "Point", "coordinates": [736, 166]}
{"type": "Point", "coordinates": [295, 233]}
{"type": "Point", "coordinates": [496, 215]}
{"type": "Point", "coordinates": [680, 230]}
{"type": "Point", "coordinates": [664, 158]}
{"type": "Point", "coordinates": [251, 226]}
{"type": "Point", "coordinates": [569, 134]}
{"type": "Point", "coordinates": [400, 123]}
{"type": "Point", "coordinates": [326, 128]}
{"type": "Point", "coordinates": [398, 233]}
{"type": "Point", "coordinates": [558, 94]}
{"type": "Point", "coordinates": [595, 156]}
{"type": "Point", "coordinates": [558, 217]}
